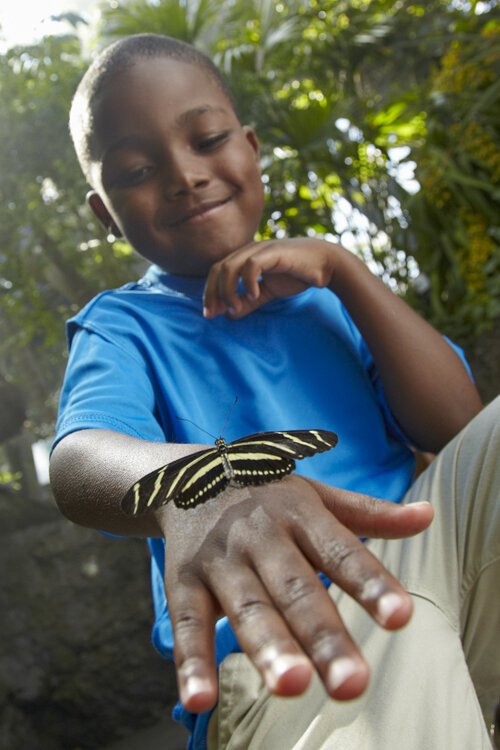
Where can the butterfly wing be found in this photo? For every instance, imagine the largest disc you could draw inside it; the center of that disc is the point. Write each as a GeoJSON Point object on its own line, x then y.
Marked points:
{"type": "Point", "coordinates": [204, 480]}
{"type": "Point", "coordinates": [269, 456]}
{"type": "Point", "coordinates": [255, 459]}
{"type": "Point", "coordinates": [292, 443]}
{"type": "Point", "coordinates": [187, 481]}
{"type": "Point", "coordinates": [258, 467]}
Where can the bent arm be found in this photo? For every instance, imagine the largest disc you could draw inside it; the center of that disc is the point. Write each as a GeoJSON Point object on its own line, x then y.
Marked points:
{"type": "Point", "coordinates": [425, 382]}
{"type": "Point", "coordinates": [91, 470]}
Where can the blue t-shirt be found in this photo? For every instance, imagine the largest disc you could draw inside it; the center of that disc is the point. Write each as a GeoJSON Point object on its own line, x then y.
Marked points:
{"type": "Point", "coordinates": [142, 355]}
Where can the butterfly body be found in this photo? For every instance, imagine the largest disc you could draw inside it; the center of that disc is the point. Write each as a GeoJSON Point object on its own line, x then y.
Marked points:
{"type": "Point", "coordinates": [221, 447]}
{"type": "Point", "coordinates": [252, 460]}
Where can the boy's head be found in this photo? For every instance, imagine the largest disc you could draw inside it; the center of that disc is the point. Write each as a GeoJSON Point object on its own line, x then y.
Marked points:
{"type": "Point", "coordinates": [172, 168]}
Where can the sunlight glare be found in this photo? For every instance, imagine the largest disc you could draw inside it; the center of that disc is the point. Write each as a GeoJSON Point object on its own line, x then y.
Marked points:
{"type": "Point", "coordinates": [26, 21]}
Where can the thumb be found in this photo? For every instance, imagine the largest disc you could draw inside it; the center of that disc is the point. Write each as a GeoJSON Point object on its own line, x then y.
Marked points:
{"type": "Point", "coordinates": [370, 517]}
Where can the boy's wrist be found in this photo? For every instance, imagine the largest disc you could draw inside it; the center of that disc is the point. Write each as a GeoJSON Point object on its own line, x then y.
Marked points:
{"type": "Point", "coordinates": [160, 517]}
{"type": "Point", "coordinates": [349, 270]}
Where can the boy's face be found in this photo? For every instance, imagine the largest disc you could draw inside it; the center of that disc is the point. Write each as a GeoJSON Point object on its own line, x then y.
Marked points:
{"type": "Point", "coordinates": [173, 168]}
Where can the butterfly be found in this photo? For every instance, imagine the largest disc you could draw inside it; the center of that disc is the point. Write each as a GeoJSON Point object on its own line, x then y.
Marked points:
{"type": "Point", "coordinates": [252, 460]}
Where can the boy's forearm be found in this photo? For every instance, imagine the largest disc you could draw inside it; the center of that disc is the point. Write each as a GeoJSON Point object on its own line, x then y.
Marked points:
{"type": "Point", "coordinates": [425, 382]}
{"type": "Point", "coordinates": [91, 470]}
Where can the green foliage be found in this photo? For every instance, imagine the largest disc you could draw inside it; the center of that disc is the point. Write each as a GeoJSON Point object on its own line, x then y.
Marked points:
{"type": "Point", "coordinates": [52, 260]}
{"type": "Point", "coordinates": [455, 215]}
{"type": "Point", "coordinates": [333, 89]}
{"type": "Point", "coordinates": [10, 479]}
{"type": "Point", "coordinates": [184, 20]}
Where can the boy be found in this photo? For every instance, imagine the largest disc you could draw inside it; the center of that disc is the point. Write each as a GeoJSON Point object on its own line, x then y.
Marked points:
{"type": "Point", "coordinates": [307, 338]}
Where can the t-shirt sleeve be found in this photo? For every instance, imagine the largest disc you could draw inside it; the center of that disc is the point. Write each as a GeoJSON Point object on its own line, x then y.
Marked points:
{"type": "Point", "coordinates": [108, 387]}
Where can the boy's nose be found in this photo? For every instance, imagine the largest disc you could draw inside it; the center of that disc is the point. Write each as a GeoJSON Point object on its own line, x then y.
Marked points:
{"type": "Point", "coordinates": [184, 175]}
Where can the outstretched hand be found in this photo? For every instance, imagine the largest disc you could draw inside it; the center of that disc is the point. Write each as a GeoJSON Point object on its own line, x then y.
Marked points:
{"type": "Point", "coordinates": [253, 555]}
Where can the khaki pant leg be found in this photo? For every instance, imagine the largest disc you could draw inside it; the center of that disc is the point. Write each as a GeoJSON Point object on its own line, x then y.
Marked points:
{"type": "Point", "coordinates": [421, 695]}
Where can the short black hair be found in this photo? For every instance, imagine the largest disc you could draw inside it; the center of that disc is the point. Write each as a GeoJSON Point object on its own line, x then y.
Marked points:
{"type": "Point", "coordinates": [118, 57]}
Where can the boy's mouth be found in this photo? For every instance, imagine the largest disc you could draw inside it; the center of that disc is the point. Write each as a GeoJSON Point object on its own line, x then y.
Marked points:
{"type": "Point", "coordinates": [199, 212]}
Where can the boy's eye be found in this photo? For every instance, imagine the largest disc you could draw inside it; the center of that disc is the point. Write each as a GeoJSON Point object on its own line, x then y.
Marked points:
{"type": "Point", "coordinates": [133, 176]}
{"type": "Point", "coordinates": [212, 141]}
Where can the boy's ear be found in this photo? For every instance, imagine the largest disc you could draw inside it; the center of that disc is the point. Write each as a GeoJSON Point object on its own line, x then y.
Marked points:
{"type": "Point", "coordinates": [101, 212]}
{"type": "Point", "coordinates": [252, 139]}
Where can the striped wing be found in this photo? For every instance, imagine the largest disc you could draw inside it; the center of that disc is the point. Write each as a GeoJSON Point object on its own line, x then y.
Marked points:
{"type": "Point", "coordinates": [269, 456]}
{"type": "Point", "coordinates": [253, 460]}
{"type": "Point", "coordinates": [291, 443]}
{"type": "Point", "coordinates": [185, 478]}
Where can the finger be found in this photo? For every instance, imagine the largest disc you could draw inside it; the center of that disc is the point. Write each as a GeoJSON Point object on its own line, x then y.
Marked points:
{"type": "Point", "coordinates": [221, 290]}
{"type": "Point", "coordinates": [244, 266]}
{"type": "Point", "coordinates": [251, 275]}
{"type": "Point", "coordinates": [192, 612]}
{"type": "Point", "coordinates": [339, 554]}
{"type": "Point", "coordinates": [313, 619]}
{"type": "Point", "coordinates": [245, 305]}
{"type": "Point", "coordinates": [227, 284]}
{"type": "Point", "coordinates": [212, 305]}
{"type": "Point", "coordinates": [256, 289]}
{"type": "Point", "coordinates": [370, 517]}
{"type": "Point", "coordinates": [261, 631]}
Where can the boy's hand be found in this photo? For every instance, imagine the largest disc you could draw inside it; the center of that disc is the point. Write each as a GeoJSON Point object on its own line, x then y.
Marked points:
{"type": "Point", "coordinates": [254, 555]}
{"type": "Point", "coordinates": [268, 270]}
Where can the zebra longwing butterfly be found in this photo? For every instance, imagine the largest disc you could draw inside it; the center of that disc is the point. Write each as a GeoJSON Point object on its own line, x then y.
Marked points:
{"type": "Point", "coordinates": [251, 460]}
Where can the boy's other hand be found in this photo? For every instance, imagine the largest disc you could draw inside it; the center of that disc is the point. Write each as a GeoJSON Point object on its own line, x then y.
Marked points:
{"type": "Point", "coordinates": [268, 270]}
{"type": "Point", "coordinates": [253, 555]}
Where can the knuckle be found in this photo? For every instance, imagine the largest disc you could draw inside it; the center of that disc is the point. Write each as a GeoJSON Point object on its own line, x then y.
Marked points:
{"type": "Point", "coordinates": [187, 622]}
{"type": "Point", "coordinates": [296, 589]}
{"type": "Point", "coordinates": [324, 276]}
{"type": "Point", "coordinates": [266, 649]}
{"type": "Point", "coordinates": [249, 609]}
{"type": "Point", "coordinates": [326, 644]}
{"type": "Point", "coordinates": [317, 277]}
{"type": "Point", "coordinates": [188, 574]}
{"type": "Point", "coordinates": [341, 555]}
{"type": "Point", "coordinates": [251, 264]}
{"type": "Point", "coordinates": [187, 664]}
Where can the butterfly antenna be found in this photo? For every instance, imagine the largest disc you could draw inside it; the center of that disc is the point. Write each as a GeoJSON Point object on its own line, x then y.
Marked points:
{"type": "Point", "coordinates": [184, 419]}
{"type": "Point", "coordinates": [226, 421]}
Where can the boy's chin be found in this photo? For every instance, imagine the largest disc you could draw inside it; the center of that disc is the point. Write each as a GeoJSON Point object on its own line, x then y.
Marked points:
{"type": "Point", "coordinates": [198, 269]}
{"type": "Point", "coordinates": [187, 264]}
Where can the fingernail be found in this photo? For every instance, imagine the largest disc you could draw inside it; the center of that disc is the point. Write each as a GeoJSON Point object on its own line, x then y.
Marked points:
{"type": "Point", "coordinates": [418, 504]}
{"type": "Point", "coordinates": [194, 686]}
{"type": "Point", "coordinates": [282, 664]}
{"type": "Point", "coordinates": [340, 670]}
{"type": "Point", "coordinates": [387, 605]}
{"type": "Point", "coordinates": [205, 312]}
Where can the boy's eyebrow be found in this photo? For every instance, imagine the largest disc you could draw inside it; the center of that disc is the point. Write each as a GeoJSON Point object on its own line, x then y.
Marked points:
{"type": "Point", "coordinates": [129, 141]}
{"type": "Point", "coordinates": [195, 112]}
{"type": "Point", "coordinates": [182, 119]}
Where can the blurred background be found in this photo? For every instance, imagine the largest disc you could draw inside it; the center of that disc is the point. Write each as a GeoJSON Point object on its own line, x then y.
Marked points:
{"type": "Point", "coordinates": [380, 129]}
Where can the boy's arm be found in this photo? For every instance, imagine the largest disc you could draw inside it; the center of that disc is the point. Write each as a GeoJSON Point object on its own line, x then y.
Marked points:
{"type": "Point", "coordinates": [253, 555]}
{"type": "Point", "coordinates": [91, 470]}
{"type": "Point", "coordinates": [425, 382]}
